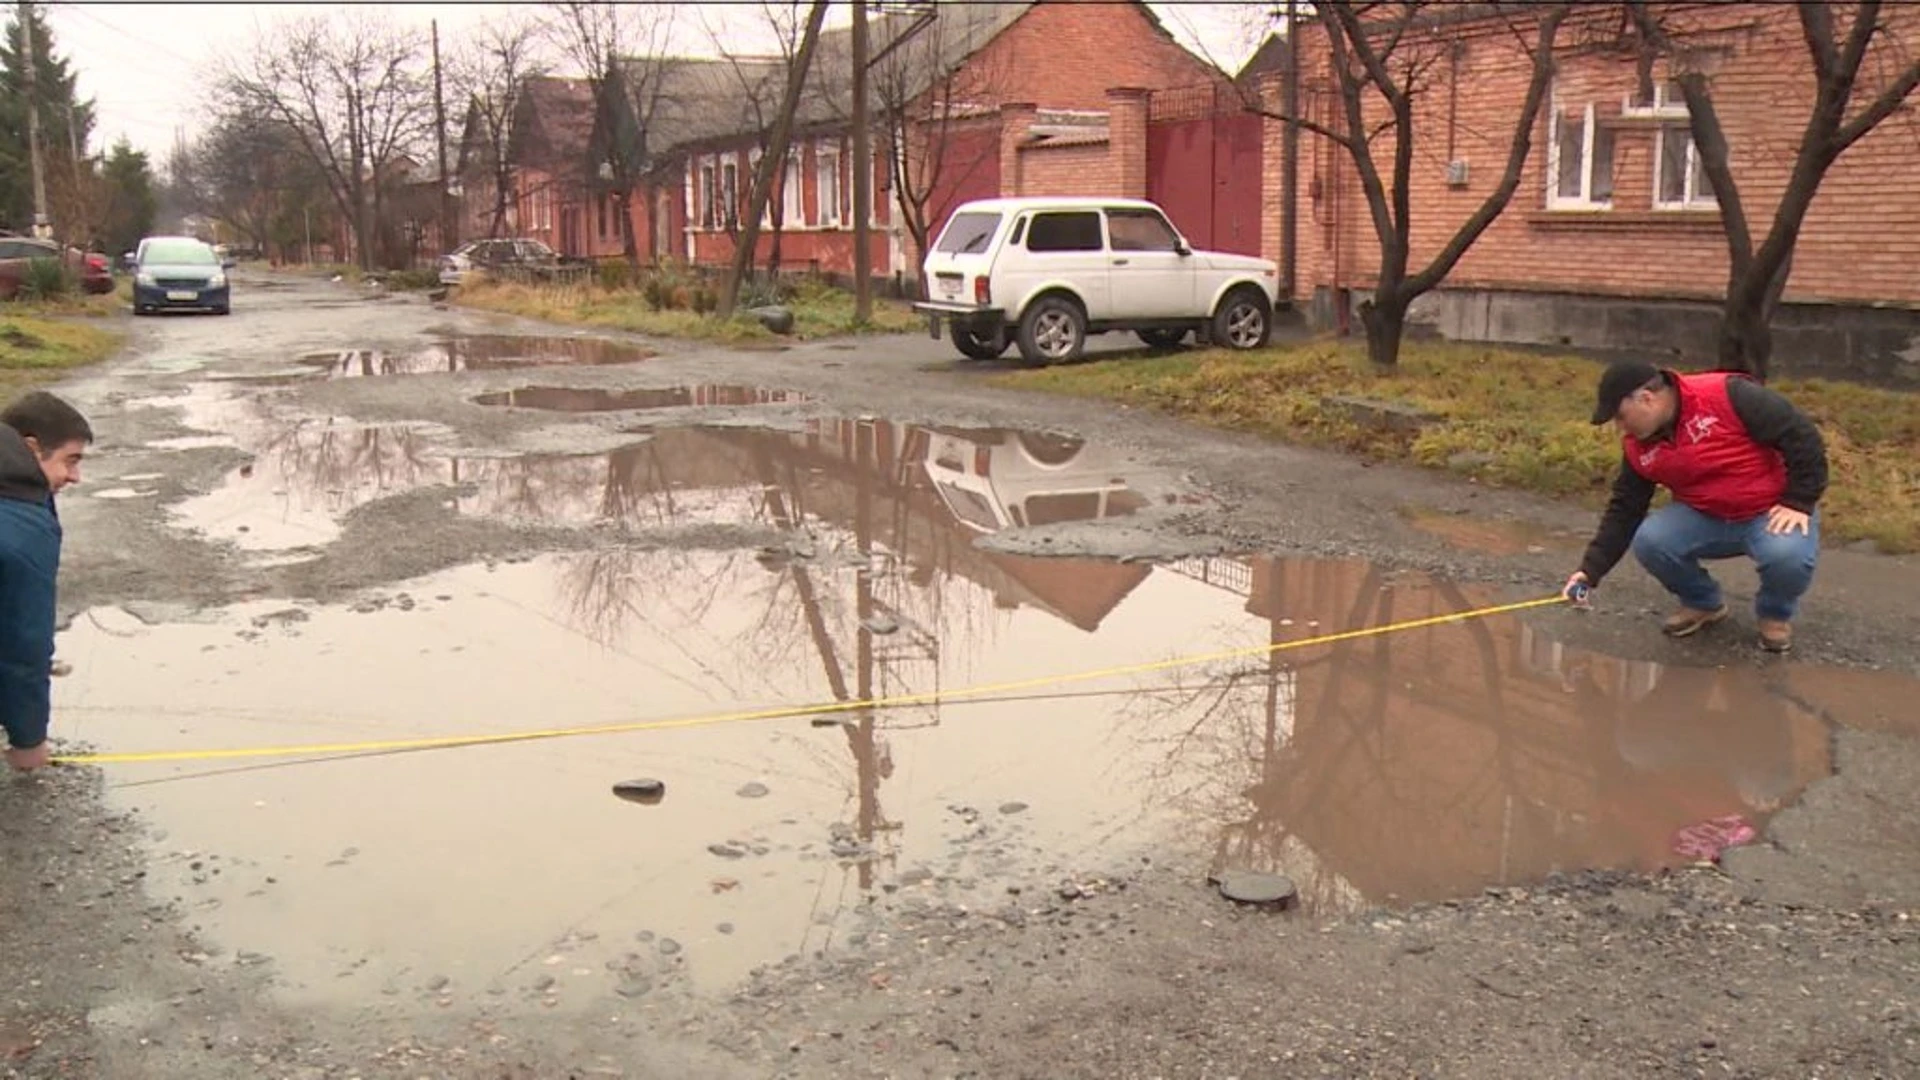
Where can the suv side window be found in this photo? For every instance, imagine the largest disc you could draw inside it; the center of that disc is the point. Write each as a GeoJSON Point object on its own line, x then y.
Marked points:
{"type": "Point", "coordinates": [1140, 230]}
{"type": "Point", "coordinates": [1065, 230]}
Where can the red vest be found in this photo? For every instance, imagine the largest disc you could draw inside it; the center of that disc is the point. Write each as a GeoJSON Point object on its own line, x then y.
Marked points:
{"type": "Point", "coordinates": [1711, 463]}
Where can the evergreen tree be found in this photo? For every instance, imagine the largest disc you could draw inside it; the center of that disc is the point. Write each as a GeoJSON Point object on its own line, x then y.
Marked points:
{"type": "Point", "coordinates": [131, 200]}
{"type": "Point", "coordinates": [65, 123]}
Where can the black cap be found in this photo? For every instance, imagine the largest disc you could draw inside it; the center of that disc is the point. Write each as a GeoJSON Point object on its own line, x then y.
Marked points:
{"type": "Point", "coordinates": [1622, 378]}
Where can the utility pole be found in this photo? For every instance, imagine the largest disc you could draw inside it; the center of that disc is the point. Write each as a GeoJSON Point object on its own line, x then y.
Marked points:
{"type": "Point", "coordinates": [30, 73]}
{"type": "Point", "coordinates": [447, 220]}
{"type": "Point", "coordinates": [862, 174]}
{"type": "Point", "coordinates": [1290, 156]}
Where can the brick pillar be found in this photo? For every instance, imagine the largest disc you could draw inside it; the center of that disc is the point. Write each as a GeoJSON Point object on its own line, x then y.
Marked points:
{"type": "Point", "coordinates": [1016, 120]}
{"type": "Point", "coordinates": [1127, 139]}
{"type": "Point", "coordinates": [1273, 176]}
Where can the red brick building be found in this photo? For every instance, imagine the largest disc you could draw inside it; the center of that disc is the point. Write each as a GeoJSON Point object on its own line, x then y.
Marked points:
{"type": "Point", "coordinates": [1614, 238]}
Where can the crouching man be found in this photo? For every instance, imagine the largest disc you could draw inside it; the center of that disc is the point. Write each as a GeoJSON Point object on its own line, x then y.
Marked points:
{"type": "Point", "coordinates": [1747, 470]}
{"type": "Point", "coordinates": [42, 440]}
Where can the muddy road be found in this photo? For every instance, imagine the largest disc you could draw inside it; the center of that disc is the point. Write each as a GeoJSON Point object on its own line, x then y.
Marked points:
{"type": "Point", "coordinates": [361, 524]}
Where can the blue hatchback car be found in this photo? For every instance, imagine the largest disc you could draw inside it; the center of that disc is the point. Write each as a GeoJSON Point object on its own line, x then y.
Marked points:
{"type": "Point", "coordinates": [179, 273]}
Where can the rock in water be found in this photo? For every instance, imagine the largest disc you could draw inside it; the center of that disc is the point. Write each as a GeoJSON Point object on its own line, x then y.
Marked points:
{"type": "Point", "coordinates": [1253, 887]}
{"type": "Point", "coordinates": [755, 790]}
{"type": "Point", "coordinates": [641, 791]}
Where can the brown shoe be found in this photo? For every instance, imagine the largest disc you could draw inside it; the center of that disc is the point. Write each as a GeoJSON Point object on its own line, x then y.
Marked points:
{"type": "Point", "coordinates": [1687, 621]}
{"type": "Point", "coordinates": [1776, 636]}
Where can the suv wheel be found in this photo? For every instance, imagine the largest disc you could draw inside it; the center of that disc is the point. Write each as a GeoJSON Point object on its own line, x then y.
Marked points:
{"type": "Point", "coordinates": [1053, 331]}
{"type": "Point", "coordinates": [1244, 321]}
{"type": "Point", "coordinates": [1163, 339]}
{"type": "Point", "coordinates": [975, 345]}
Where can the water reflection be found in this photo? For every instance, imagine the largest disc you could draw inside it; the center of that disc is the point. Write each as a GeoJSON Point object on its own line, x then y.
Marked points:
{"type": "Point", "coordinates": [486, 352]}
{"type": "Point", "coordinates": [574, 399]}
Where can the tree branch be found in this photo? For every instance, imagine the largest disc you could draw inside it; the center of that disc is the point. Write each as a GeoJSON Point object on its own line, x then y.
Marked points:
{"type": "Point", "coordinates": [1521, 146]}
{"type": "Point", "coordinates": [1882, 107]}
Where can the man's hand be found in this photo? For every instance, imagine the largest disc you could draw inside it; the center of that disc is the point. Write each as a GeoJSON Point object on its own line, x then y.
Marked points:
{"type": "Point", "coordinates": [29, 759]}
{"type": "Point", "coordinates": [1578, 589]}
{"type": "Point", "coordinates": [1785, 519]}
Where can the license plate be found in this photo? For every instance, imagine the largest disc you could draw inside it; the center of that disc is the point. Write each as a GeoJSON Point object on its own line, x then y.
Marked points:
{"type": "Point", "coordinates": [182, 294]}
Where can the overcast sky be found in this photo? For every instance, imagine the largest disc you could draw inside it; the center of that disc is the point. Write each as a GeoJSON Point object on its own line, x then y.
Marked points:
{"type": "Point", "coordinates": [151, 67]}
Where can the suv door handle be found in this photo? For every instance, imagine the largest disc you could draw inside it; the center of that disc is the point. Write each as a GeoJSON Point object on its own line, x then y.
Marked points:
{"type": "Point", "coordinates": [1119, 262]}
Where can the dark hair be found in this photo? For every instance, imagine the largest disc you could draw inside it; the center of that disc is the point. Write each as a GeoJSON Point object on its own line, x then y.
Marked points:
{"type": "Point", "coordinates": [47, 420]}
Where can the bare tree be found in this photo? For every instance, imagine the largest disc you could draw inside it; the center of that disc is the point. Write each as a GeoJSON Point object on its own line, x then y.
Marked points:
{"type": "Point", "coordinates": [1386, 55]}
{"type": "Point", "coordinates": [927, 105]}
{"type": "Point", "coordinates": [490, 70]}
{"type": "Point", "coordinates": [1843, 112]}
{"type": "Point", "coordinates": [623, 48]}
{"type": "Point", "coordinates": [759, 82]}
{"type": "Point", "coordinates": [775, 157]}
{"type": "Point", "coordinates": [348, 88]}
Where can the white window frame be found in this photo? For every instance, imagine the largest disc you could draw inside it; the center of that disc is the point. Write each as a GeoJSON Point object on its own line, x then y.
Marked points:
{"type": "Point", "coordinates": [1695, 178]}
{"type": "Point", "coordinates": [826, 157]}
{"type": "Point", "coordinates": [729, 218]}
{"type": "Point", "coordinates": [709, 216]}
{"type": "Point", "coordinates": [793, 211]}
{"type": "Point", "coordinates": [1590, 128]}
{"type": "Point", "coordinates": [754, 157]}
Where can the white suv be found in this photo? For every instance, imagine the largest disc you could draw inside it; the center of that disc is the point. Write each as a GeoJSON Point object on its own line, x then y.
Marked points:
{"type": "Point", "coordinates": [1046, 272]}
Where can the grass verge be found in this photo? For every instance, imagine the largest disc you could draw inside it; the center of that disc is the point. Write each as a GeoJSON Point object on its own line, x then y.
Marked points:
{"type": "Point", "coordinates": [818, 312]}
{"type": "Point", "coordinates": [1509, 418]}
{"type": "Point", "coordinates": [35, 350]}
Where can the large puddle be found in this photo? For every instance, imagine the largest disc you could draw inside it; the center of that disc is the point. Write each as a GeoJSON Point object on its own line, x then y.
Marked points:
{"type": "Point", "coordinates": [570, 399]}
{"type": "Point", "coordinates": [305, 479]}
{"type": "Point", "coordinates": [484, 352]}
{"type": "Point", "coordinates": [1421, 765]}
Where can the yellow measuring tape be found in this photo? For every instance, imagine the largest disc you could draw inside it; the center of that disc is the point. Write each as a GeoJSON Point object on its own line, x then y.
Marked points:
{"type": "Point", "coordinates": [789, 712]}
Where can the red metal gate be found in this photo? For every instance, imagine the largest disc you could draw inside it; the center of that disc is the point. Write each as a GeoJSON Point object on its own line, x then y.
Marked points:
{"type": "Point", "coordinates": [1204, 167]}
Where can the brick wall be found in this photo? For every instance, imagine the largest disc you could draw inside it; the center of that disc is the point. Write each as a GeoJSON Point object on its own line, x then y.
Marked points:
{"type": "Point", "coordinates": [1860, 240]}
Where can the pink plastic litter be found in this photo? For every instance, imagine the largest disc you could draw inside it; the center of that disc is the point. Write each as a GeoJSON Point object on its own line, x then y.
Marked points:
{"type": "Point", "coordinates": [1705, 841]}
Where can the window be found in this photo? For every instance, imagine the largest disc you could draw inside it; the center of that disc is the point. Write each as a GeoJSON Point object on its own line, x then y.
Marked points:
{"type": "Point", "coordinates": [1682, 182]}
{"type": "Point", "coordinates": [968, 234]}
{"type": "Point", "coordinates": [828, 191]}
{"type": "Point", "coordinates": [1141, 230]}
{"type": "Point", "coordinates": [1071, 230]}
{"type": "Point", "coordinates": [730, 194]}
{"type": "Point", "coordinates": [753, 177]}
{"type": "Point", "coordinates": [1579, 159]}
{"type": "Point", "coordinates": [604, 200]}
{"type": "Point", "coordinates": [707, 196]}
{"type": "Point", "coordinates": [791, 211]}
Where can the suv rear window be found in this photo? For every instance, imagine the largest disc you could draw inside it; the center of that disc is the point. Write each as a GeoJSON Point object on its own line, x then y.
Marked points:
{"type": "Point", "coordinates": [968, 234]}
{"type": "Point", "coordinates": [1072, 230]}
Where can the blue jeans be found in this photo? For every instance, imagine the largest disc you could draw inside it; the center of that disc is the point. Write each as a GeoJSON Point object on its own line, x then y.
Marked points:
{"type": "Point", "coordinates": [1671, 542]}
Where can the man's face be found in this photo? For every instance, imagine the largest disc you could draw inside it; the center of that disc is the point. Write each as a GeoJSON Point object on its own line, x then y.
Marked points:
{"type": "Point", "coordinates": [1642, 414]}
{"type": "Point", "coordinates": [61, 464]}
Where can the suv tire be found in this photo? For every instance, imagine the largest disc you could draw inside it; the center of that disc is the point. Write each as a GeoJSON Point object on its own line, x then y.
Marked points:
{"type": "Point", "coordinates": [1244, 319]}
{"type": "Point", "coordinates": [975, 345]}
{"type": "Point", "coordinates": [1053, 330]}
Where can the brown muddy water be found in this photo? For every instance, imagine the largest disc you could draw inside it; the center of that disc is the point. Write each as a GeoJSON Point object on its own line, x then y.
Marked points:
{"type": "Point", "coordinates": [1417, 766]}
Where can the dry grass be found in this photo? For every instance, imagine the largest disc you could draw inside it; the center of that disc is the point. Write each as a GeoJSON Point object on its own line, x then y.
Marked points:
{"type": "Point", "coordinates": [35, 350]}
{"type": "Point", "coordinates": [819, 312]}
{"type": "Point", "coordinates": [1509, 418]}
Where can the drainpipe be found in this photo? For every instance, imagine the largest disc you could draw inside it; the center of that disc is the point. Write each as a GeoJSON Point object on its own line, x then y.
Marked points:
{"type": "Point", "coordinates": [1290, 160]}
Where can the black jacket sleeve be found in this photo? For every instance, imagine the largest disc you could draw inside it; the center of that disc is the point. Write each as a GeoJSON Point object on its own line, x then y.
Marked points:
{"type": "Point", "coordinates": [1772, 420]}
{"type": "Point", "coordinates": [1626, 509]}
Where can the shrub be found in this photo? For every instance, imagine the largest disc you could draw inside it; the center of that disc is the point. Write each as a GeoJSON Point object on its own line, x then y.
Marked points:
{"type": "Point", "coordinates": [45, 279]}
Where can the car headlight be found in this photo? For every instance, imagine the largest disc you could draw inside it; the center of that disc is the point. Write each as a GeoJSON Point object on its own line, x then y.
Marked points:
{"type": "Point", "coordinates": [145, 278]}
{"type": "Point", "coordinates": [217, 281]}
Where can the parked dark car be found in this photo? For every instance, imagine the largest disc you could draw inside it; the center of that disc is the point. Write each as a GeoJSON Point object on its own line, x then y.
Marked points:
{"type": "Point", "coordinates": [91, 271]}
{"type": "Point", "coordinates": [510, 259]}
{"type": "Point", "coordinates": [179, 273]}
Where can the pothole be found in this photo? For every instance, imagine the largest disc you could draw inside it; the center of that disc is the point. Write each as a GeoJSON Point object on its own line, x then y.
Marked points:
{"type": "Point", "coordinates": [569, 399]}
{"type": "Point", "coordinates": [486, 352]}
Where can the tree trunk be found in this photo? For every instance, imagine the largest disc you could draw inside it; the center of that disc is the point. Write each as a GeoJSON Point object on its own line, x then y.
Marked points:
{"type": "Point", "coordinates": [629, 245]}
{"type": "Point", "coordinates": [1385, 317]}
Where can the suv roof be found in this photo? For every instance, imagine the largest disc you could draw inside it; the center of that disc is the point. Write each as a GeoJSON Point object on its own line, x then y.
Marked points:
{"type": "Point", "coordinates": [1055, 202]}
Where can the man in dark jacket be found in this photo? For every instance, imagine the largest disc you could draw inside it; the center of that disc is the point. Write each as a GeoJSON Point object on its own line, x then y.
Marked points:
{"type": "Point", "coordinates": [42, 441]}
{"type": "Point", "coordinates": [1746, 469]}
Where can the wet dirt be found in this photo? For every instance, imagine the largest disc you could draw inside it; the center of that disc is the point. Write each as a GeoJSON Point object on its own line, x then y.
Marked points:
{"type": "Point", "coordinates": [476, 352]}
{"type": "Point", "coordinates": [568, 399]}
{"type": "Point", "coordinates": [1419, 766]}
